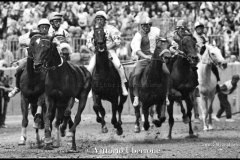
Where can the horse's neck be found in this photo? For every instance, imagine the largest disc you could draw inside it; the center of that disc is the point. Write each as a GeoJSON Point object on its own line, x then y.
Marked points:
{"type": "Point", "coordinates": [56, 59]}
{"type": "Point", "coordinates": [29, 66]}
{"type": "Point", "coordinates": [102, 62]}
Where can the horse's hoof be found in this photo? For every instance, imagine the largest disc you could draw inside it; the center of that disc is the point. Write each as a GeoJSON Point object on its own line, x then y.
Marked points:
{"type": "Point", "coordinates": [48, 147]}
{"type": "Point", "coordinates": [62, 131]}
{"type": "Point", "coordinates": [146, 126]}
{"type": "Point", "coordinates": [186, 119]}
{"type": "Point", "coordinates": [137, 129]}
{"type": "Point", "coordinates": [157, 123]}
{"type": "Point", "coordinates": [98, 120]}
{"type": "Point", "coordinates": [22, 140]}
{"type": "Point", "coordinates": [120, 131]}
{"type": "Point", "coordinates": [210, 127]}
{"type": "Point", "coordinates": [48, 141]}
{"type": "Point", "coordinates": [104, 130]}
{"type": "Point", "coordinates": [192, 136]}
{"type": "Point", "coordinates": [162, 119]}
{"type": "Point", "coordinates": [73, 150]}
{"type": "Point", "coordinates": [169, 137]}
{"type": "Point", "coordinates": [69, 134]}
{"type": "Point", "coordinates": [205, 128]}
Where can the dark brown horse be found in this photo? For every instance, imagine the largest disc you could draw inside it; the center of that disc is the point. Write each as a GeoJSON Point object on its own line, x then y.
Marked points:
{"type": "Point", "coordinates": [63, 83]}
{"type": "Point", "coordinates": [183, 80]}
{"type": "Point", "coordinates": [106, 84]}
{"type": "Point", "coordinates": [152, 88]}
{"type": "Point", "coordinates": [32, 91]}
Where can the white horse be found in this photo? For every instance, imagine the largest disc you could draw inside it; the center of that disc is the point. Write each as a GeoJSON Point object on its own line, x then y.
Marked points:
{"type": "Point", "coordinates": [208, 81]}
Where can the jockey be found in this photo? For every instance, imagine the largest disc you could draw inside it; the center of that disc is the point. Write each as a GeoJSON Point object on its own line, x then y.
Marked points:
{"type": "Point", "coordinates": [201, 41]}
{"type": "Point", "coordinates": [143, 45]}
{"type": "Point", "coordinates": [113, 41]}
{"type": "Point", "coordinates": [55, 19]}
{"type": "Point", "coordinates": [175, 37]}
{"type": "Point", "coordinates": [43, 27]}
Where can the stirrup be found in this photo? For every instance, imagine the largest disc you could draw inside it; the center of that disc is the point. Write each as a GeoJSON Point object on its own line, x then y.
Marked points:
{"type": "Point", "coordinates": [135, 102]}
{"type": "Point", "coordinates": [13, 92]}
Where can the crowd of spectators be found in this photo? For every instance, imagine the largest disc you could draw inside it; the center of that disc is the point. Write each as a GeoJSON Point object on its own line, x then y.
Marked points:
{"type": "Point", "coordinates": [221, 18]}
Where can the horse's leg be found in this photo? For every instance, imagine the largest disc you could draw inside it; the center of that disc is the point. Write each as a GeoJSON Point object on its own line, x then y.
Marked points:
{"type": "Point", "coordinates": [189, 103]}
{"type": "Point", "coordinates": [145, 110]}
{"type": "Point", "coordinates": [204, 109]}
{"type": "Point", "coordinates": [120, 108]}
{"type": "Point", "coordinates": [151, 113]}
{"type": "Point", "coordinates": [33, 111]}
{"type": "Point", "coordinates": [114, 117]}
{"type": "Point", "coordinates": [210, 111]}
{"type": "Point", "coordinates": [138, 117]}
{"type": "Point", "coordinates": [50, 113]}
{"type": "Point", "coordinates": [81, 105]}
{"type": "Point", "coordinates": [67, 116]}
{"type": "Point", "coordinates": [96, 108]}
{"type": "Point", "coordinates": [171, 119]}
{"type": "Point", "coordinates": [59, 120]}
{"type": "Point", "coordinates": [24, 109]}
{"type": "Point", "coordinates": [160, 108]}
{"type": "Point", "coordinates": [185, 117]}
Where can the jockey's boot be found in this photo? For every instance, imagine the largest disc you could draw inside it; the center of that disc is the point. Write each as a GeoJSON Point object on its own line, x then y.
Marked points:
{"type": "Point", "coordinates": [13, 92]}
{"type": "Point", "coordinates": [123, 80]}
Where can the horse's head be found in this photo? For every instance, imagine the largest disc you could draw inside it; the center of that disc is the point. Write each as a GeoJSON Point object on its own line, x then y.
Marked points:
{"type": "Point", "coordinates": [41, 49]}
{"type": "Point", "coordinates": [162, 49]}
{"type": "Point", "coordinates": [213, 55]}
{"type": "Point", "coordinates": [99, 37]}
{"type": "Point", "coordinates": [188, 45]}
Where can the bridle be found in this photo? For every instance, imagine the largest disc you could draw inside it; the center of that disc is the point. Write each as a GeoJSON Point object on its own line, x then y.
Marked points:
{"type": "Point", "coordinates": [182, 54]}
{"type": "Point", "coordinates": [44, 66]}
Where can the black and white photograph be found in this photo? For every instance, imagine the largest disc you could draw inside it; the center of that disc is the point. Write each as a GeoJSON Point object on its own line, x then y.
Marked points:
{"type": "Point", "coordinates": [119, 79]}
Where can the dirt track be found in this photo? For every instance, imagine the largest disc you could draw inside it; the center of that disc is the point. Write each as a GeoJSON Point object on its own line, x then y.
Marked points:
{"type": "Point", "coordinates": [222, 142]}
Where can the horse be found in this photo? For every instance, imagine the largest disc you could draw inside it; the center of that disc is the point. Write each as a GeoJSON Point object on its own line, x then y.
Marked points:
{"type": "Point", "coordinates": [208, 82]}
{"type": "Point", "coordinates": [64, 82]}
{"type": "Point", "coordinates": [106, 84]}
{"type": "Point", "coordinates": [32, 92]}
{"type": "Point", "coordinates": [183, 80]}
{"type": "Point", "coordinates": [152, 88]}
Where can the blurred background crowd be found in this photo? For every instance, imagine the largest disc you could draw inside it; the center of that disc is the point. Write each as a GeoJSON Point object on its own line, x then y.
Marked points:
{"type": "Point", "coordinates": [221, 20]}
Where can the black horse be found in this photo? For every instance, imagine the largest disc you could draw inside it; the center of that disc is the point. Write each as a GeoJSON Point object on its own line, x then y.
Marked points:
{"type": "Point", "coordinates": [63, 83]}
{"type": "Point", "coordinates": [183, 80]}
{"type": "Point", "coordinates": [32, 91]}
{"type": "Point", "coordinates": [106, 84]}
{"type": "Point", "coordinates": [152, 88]}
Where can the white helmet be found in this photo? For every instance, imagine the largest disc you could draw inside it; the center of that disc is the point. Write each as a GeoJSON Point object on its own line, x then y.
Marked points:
{"type": "Point", "coordinates": [145, 20]}
{"type": "Point", "coordinates": [44, 21]}
{"type": "Point", "coordinates": [198, 24]}
{"type": "Point", "coordinates": [102, 13]}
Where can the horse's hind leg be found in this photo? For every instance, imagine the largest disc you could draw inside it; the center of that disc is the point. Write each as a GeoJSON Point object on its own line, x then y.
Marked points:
{"type": "Point", "coordinates": [24, 109]}
{"type": "Point", "coordinates": [171, 119]}
{"type": "Point", "coordinates": [120, 108]}
{"type": "Point", "coordinates": [185, 117]}
{"type": "Point", "coordinates": [138, 116]}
